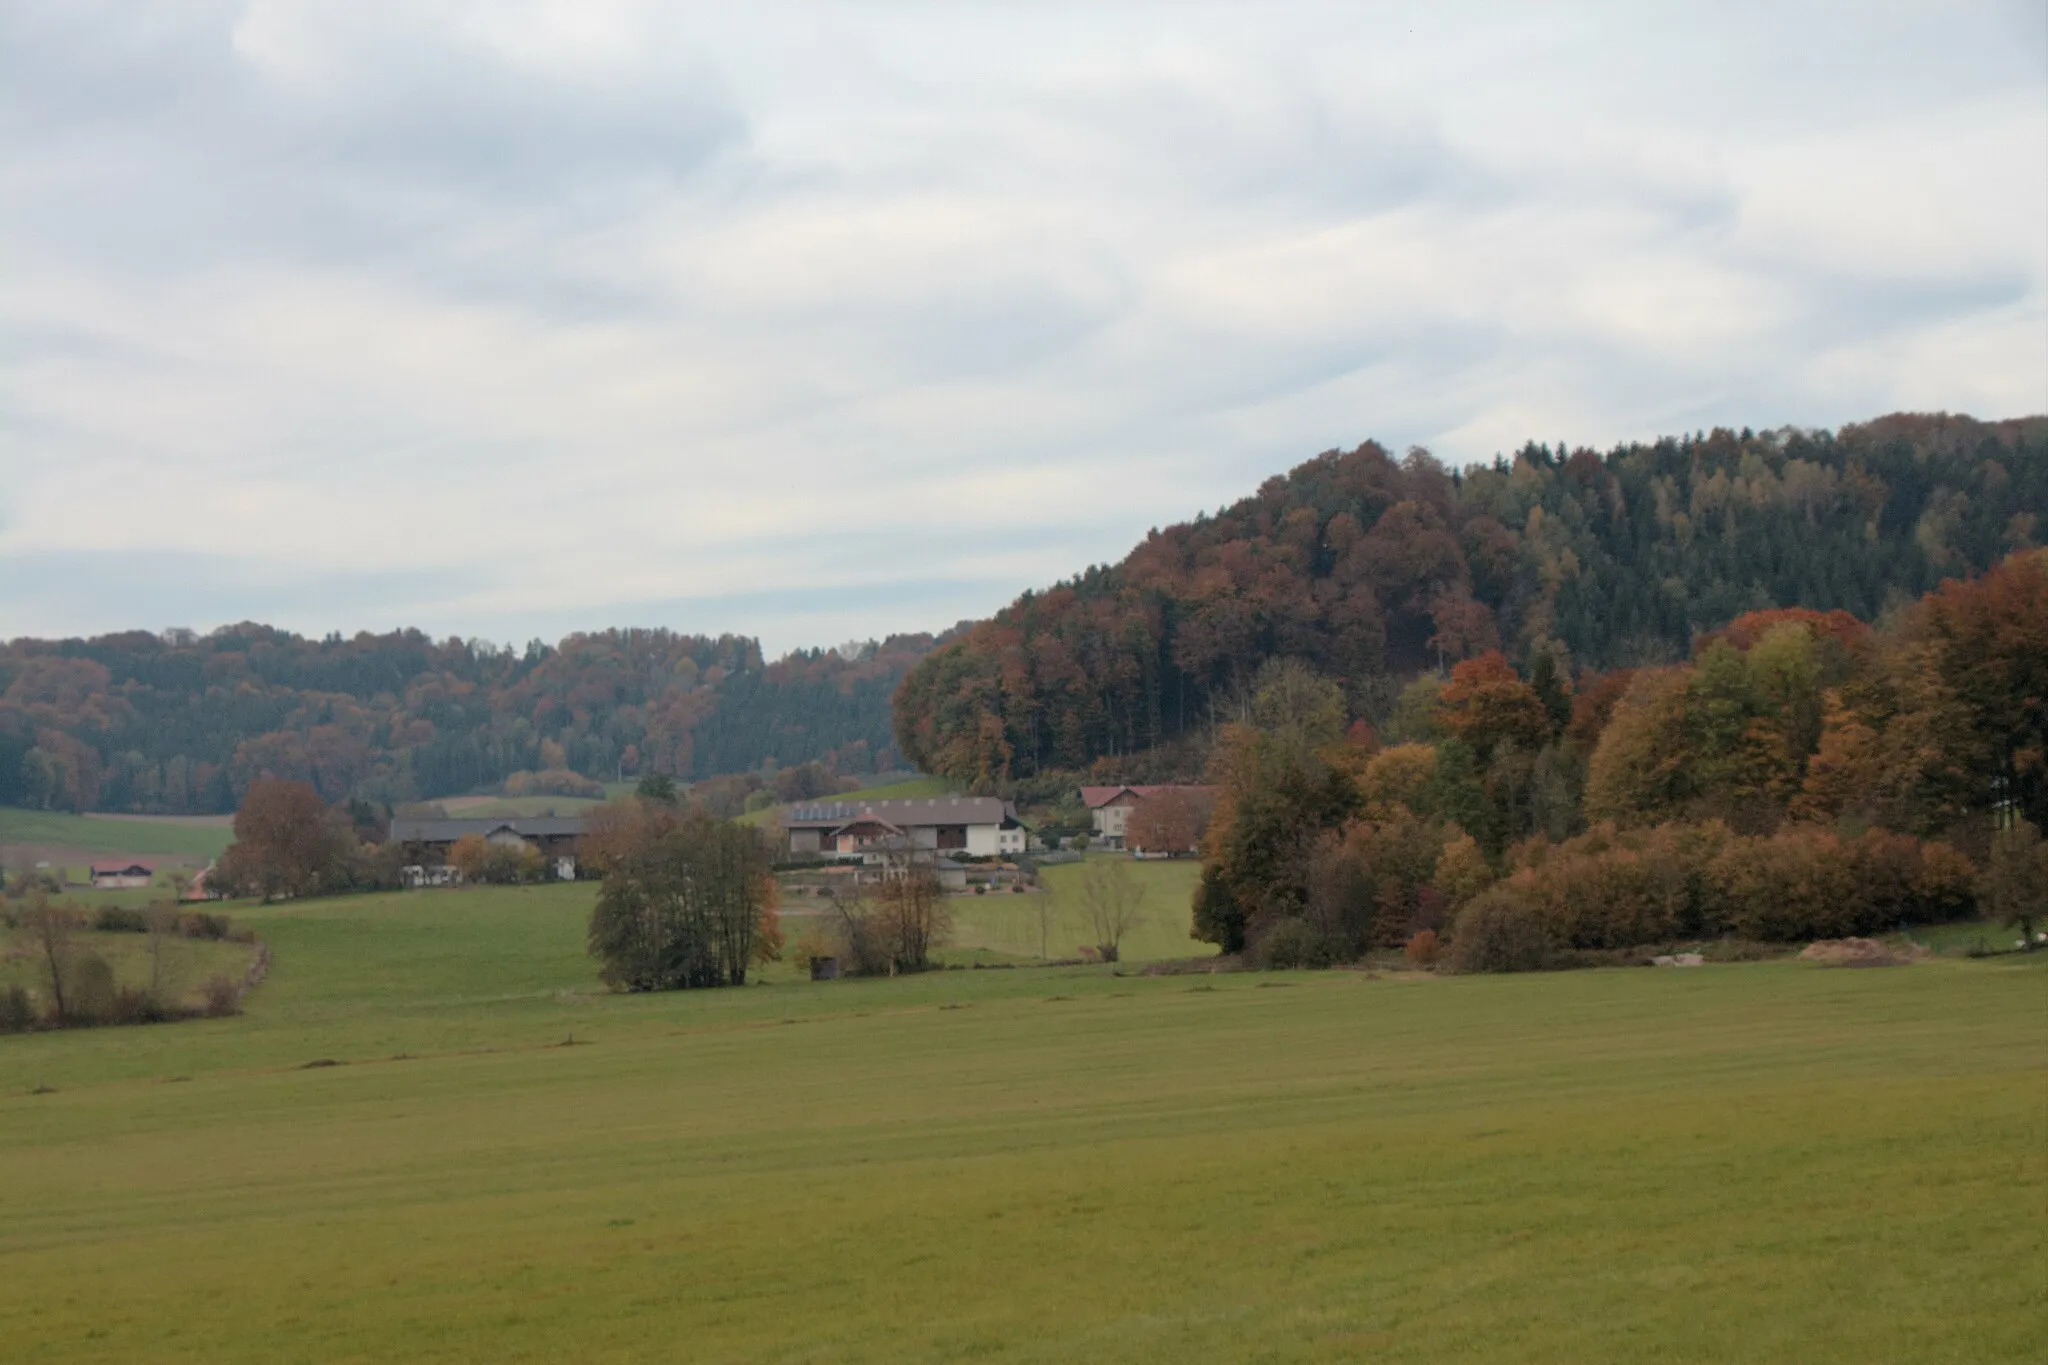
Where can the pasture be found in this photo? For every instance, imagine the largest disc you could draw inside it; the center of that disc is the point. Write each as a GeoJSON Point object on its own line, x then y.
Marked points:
{"type": "Point", "coordinates": [1758, 1162]}
{"type": "Point", "coordinates": [61, 838]}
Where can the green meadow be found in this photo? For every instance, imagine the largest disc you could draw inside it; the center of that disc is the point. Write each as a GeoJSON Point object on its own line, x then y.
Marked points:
{"type": "Point", "coordinates": [198, 838]}
{"type": "Point", "coordinates": [1760, 1162]}
{"type": "Point", "coordinates": [914, 788]}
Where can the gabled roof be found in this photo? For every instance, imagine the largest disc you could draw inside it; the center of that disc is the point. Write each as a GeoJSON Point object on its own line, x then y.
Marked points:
{"type": "Point", "coordinates": [1093, 797]}
{"type": "Point", "coordinates": [448, 831]}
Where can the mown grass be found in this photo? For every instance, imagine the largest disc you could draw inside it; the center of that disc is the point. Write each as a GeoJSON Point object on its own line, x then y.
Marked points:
{"type": "Point", "coordinates": [1742, 1163]}
{"type": "Point", "coordinates": [111, 833]}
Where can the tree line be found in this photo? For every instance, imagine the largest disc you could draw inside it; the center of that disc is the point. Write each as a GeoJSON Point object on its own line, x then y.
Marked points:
{"type": "Point", "coordinates": [179, 722]}
{"type": "Point", "coordinates": [1803, 775]}
{"type": "Point", "coordinates": [1372, 569]}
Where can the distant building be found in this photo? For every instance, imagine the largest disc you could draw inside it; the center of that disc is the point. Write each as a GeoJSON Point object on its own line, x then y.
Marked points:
{"type": "Point", "coordinates": [121, 878]}
{"type": "Point", "coordinates": [978, 826]}
{"type": "Point", "coordinates": [1111, 807]}
{"type": "Point", "coordinates": [426, 843]}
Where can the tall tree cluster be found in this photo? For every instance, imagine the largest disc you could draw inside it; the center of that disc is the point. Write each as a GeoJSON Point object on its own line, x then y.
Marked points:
{"type": "Point", "coordinates": [183, 723]}
{"type": "Point", "coordinates": [687, 901]}
{"type": "Point", "coordinates": [1802, 774]}
{"type": "Point", "coordinates": [1366, 567]}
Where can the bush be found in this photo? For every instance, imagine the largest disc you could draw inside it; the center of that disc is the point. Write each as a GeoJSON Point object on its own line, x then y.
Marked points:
{"type": "Point", "coordinates": [1292, 943]}
{"type": "Point", "coordinates": [1422, 948]}
{"type": "Point", "coordinates": [89, 991]}
{"type": "Point", "coordinates": [200, 924]}
{"type": "Point", "coordinates": [553, 782]}
{"type": "Point", "coordinates": [116, 919]}
{"type": "Point", "coordinates": [223, 998]}
{"type": "Point", "coordinates": [17, 1011]}
{"type": "Point", "coordinates": [1495, 932]}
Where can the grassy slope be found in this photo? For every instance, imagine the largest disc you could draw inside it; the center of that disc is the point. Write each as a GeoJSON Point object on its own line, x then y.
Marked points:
{"type": "Point", "coordinates": [1764, 1162]}
{"type": "Point", "coordinates": [111, 834]}
{"type": "Point", "coordinates": [503, 807]}
{"type": "Point", "coordinates": [918, 788]}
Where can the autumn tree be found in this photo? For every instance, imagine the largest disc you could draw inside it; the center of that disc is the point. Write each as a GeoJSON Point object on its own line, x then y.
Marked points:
{"type": "Point", "coordinates": [2013, 887]}
{"type": "Point", "coordinates": [1281, 785]}
{"type": "Point", "coordinates": [286, 841]}
{"type": "Point", "coordinates": [1171, 821]}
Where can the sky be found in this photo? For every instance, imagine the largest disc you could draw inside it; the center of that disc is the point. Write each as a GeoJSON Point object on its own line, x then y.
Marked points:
{"type": "Point", "coordinates": [816, 322]}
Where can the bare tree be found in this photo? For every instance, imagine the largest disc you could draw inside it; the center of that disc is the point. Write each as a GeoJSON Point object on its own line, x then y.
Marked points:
{"type": "Point", "coordinates": [1046, 905]}
{"type": "Point", "coordinates": [163, 924]}
{"type": "Point", "coordinates": [1110, 896]}
{"type": "Point", "coordinates": [914, 911]}
{"type": "Point", "coordinates": [50, 928]}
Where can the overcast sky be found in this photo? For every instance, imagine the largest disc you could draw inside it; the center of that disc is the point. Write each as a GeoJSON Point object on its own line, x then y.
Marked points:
{"type": "Point", "coordinates": [821, 321]}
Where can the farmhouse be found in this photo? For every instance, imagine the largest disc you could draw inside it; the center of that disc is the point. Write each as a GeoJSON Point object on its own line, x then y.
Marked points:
{"type": "Point", "coordinates": [979, 826]}
{"type": "Point", "coordinates": [119, 878]}
{"type": "Point", "coordinates": [426, 842]}
{"type": "Point", "coordinates": [1112, 808]}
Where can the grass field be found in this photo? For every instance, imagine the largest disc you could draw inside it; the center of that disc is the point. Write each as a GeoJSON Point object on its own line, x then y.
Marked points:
{"type": "Point", "coordinates": [197, 839]}
{"type": "Point", "coordinates": [187, 963]}
{"type": "Point", "coordinates": [1006, 926]}
{"type": "Point", "coordinates": [504, 807]}
{"type": "Point", "coordinates": [917, 788]}
{"type": "Point", "coordinates": [1765, 1162]}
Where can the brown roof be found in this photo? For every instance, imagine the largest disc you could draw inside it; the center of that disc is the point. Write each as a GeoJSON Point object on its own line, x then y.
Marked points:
{"type": "Point", "coordinates": [1093, 797]}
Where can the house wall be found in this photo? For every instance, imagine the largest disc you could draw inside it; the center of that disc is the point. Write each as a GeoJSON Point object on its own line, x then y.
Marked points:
{"type": "Point", "coordinates": [983, 841]}
{"type": "Point", "coordinates": [1110, 819]}
{"type": "Point", "coordinates": [806, 841]}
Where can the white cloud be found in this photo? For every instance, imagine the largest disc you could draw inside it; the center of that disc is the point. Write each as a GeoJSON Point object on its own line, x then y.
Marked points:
{"type": "Point", "coordinates": [818, 322]}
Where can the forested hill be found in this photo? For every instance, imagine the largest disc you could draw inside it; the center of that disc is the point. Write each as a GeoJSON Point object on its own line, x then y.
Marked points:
{"type": "Point", "coordinates": [1372, 568]}
{"type": "Point", "coordinates": [181, 723]}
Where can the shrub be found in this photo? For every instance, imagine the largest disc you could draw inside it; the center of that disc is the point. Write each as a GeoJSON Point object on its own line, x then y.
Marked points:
{"type": "Point", "coordinates": [117, 919]}
{"type": "Point", "coordinates": [89, 991]}
{"type": "Point", "coordinates": [17, 1011]}
{"type": "Point", "coordinates": [222, 997]}
{"type": "Point", "coordinates": [1293, 943]}
{"type": "Point", "coordinates": [1422, 948]}
{"type": "Point", "coordinates": [1495, 932]}
{"type": "Point", "coordinates": [133, 1005]}
{"type": "Point", "coordinates": [200, 924]}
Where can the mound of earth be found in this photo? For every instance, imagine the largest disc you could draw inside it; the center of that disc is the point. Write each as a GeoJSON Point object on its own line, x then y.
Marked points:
{"type": "Point", "coordinates": [1855, 952]}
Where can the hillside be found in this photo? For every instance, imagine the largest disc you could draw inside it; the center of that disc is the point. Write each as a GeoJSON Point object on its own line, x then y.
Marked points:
{"type": "Point", "coordinates": [1372, 568]}
{"type": "Point", "coordinates": [181, 723]}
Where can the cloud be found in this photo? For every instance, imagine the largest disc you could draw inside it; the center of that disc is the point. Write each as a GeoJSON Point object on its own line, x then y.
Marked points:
{"type": "Point", "coordinates": [571, 313]}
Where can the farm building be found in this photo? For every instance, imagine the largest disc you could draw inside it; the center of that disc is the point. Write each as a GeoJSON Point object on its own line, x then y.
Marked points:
{"type": "Point", "coordinates": [979, 826]}
{"type": "Point", "coordinates": [426, 842]}
{"type": "Point", "coordinates": [1112, 808]}
{"type": "Point", "coordinates": [120, 878]}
